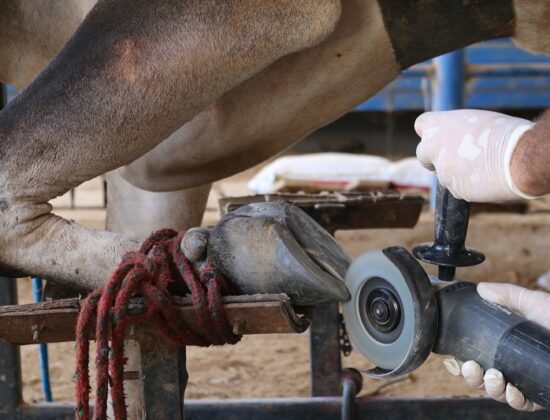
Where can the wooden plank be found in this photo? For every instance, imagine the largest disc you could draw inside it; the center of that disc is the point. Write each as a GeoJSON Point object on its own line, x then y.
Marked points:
{"type": "Point", "coordinates": [55, 321]}
{"type": "Point", "coordinates": [288, 185]}
{"type": "Point", "coordinates": [343, 211]}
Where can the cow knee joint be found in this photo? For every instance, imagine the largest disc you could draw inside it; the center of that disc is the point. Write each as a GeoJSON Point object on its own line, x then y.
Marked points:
{"type": "Point", "coordinates": [20, 219]}
{"type": "Point", "coordinates": [21, 223]}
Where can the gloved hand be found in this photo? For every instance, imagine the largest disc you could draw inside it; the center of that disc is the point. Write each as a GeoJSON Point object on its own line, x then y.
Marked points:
{"type": "Point", "coordinates": [471, 152]}
{"type": "Point", "coordinates": [534, 306]}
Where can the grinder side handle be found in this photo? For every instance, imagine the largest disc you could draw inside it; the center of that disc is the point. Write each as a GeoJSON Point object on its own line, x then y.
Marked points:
{"type": "Point", "coordinates": [471, 328]}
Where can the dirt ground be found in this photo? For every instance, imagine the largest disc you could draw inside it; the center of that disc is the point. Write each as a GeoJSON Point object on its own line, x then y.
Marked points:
{"type": "Point", "coordinates": [278, 365]}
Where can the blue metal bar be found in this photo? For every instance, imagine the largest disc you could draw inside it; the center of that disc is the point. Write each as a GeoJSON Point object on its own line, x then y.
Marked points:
{"type": "Point", "coordinates": [513, 71]}
{"type": "Point", "coordinates": [484, 70]}
{"type": "Point", "coordinates": [498, 75]}
{"type": "Point", "coordinates": [448, 91]}
{"type": "Point", "coordinates": [43, 348]}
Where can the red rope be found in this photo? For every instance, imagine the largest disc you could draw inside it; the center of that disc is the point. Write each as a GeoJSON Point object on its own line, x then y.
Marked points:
{"type": "Point", "coordinates": [148, 272]}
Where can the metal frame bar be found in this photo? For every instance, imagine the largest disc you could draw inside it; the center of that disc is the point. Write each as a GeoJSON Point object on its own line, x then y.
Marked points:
{"type": "Point", "coordinates": [367, 408]}
{"type": "Point", "coordinates": [448, 92]}
{"type": "Point", "coordinates": [163, 378]}
{"type": "Point", "coordinates": [498, 75]}
{"type": "Point", "coordinates": [37, 290]}
{"type": "Point", "coordinates": [324, 349]}
{"type": "Point", "coordinates": [10, 361]}
{"type": "Point", "coordinates": [326, 408]}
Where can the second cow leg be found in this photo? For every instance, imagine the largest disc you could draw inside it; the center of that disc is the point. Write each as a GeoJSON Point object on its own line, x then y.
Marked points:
{"type": "Point", "coordinates": [137, 212]}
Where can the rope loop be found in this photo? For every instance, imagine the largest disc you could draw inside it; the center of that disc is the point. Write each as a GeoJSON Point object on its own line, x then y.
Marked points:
{"type": "Point", "coordinates": [149, 272]}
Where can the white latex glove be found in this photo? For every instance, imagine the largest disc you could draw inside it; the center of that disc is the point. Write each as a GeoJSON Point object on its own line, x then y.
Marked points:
{"type": "Point", "coordinates": [534, 306]}
{"type": "Point", "coordinates": [471, 152]}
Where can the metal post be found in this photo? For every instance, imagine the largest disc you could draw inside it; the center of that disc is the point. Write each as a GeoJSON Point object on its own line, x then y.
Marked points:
{"type": "Point", "coordinates": [325, 359]}
{"type": "Point", "coordinates": [3, 96]}
{"type": "Point", "coordinates": [38, 289]}
{"type": "Point", "coordinates": [352, 383]}
{"type": "Point", "coordinates": [447, 91]}
{"type": "Point", "coordinates": [163, 378]}
{"type": "Point", "coordinates": [10, 362]}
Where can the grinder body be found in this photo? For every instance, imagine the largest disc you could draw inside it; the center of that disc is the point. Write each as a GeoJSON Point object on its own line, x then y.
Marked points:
{"type": "Point", "coordinates": [470, 328]}
{"type": "Point", "coordinates": [445, 316]}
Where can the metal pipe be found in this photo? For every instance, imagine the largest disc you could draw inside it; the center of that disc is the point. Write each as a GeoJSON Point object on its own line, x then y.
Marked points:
{"type": "Point", "coordinates": [42, 348]}
{"type": "Point", "coordinates": [483, 70]}
{"type": "Point", "coordinates": [352, 383]}
{"type": "Point", "coordinates": [349, 410]}
{"type": "Point", "coordinates": [324, 350]}
{"type": "Point", "coordinates": [449, 84]}
{"type": "Point", "coordinates": [10, 361]}
{"type": "Point", "coordinates": [448, 91]}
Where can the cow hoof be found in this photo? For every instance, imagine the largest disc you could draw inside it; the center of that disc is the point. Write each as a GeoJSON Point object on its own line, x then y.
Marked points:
{"type": "Point", "coordinates": [275, 247]}
{"type": "Point", "coordinates": [194, 243]}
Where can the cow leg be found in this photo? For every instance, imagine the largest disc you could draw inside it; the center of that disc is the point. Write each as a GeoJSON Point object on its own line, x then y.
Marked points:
{"type": "Point", "coordinates": [306, 90]}
{"type": "Point", "coordinates": [137, 212]}
{"type": "Point", "coordinates": [277, 107]}
{"type": "Point", "coordinates": [133, 72]}
{"type": "Point", "coordinates": [31, 34]}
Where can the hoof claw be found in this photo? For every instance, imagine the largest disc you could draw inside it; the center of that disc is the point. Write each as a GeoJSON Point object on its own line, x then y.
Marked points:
{"type": "Point", "coordinates": [194, 244]}
{"type": "Point", "coordinates": [275, 247]}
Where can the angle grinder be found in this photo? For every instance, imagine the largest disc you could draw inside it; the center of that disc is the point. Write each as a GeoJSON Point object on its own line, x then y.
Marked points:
{"type": "Point", "coordinates": [398, 314]}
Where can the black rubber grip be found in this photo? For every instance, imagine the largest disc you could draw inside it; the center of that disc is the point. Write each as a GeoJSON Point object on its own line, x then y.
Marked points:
{"type": "Point", "coordinates": [523, 355]}
{"type": "Point", "coordinates": [495, 337]}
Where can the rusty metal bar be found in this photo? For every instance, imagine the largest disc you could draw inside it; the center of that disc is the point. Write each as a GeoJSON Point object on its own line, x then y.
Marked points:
{"type": "Point", "coordinates": [163, 377]}
{"type": "Point", "coordinates": [50, 411]}
{"type": "Point", "coordinates": [10, 362]}
{"type": "Point", "coordinates": [324, 350]}
{"type": "Point", "coordinates": [367, 408]}
{"type": "Point", "coordinates": [328, 408]}
{"type": "Point", "coordinates": [346, 210]}
{"type": "Point", "coordinates": [55, 321]}
{"type": "Point", "coordinates": [352, 383]}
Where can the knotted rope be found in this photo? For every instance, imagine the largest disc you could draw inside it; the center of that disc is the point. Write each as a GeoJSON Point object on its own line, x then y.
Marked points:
{"type": "Point", "coordinates": [148, 272]}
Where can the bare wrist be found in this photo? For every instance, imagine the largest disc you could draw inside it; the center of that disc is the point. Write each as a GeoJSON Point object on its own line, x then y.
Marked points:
{"type": "Point", "coordinates": [527, 166]}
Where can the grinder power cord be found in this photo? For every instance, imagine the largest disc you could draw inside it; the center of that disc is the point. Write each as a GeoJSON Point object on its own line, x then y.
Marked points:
{"type": "Point", "coordinates": [398, 314]}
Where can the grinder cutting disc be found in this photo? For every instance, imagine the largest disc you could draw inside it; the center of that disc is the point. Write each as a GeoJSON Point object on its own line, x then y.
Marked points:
{"type": "Point", "coordinates": [392, 317]}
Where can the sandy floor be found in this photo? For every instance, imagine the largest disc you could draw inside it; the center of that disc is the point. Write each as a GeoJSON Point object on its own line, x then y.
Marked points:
{"type": "Point", "coordinates": [259, 366]}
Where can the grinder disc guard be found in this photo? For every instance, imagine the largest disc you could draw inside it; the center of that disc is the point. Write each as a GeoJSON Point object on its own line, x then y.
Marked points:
{"type": "Point", "coordinates": [392, 316]}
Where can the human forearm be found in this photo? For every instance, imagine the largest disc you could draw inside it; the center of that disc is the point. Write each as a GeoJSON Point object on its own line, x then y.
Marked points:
{"type": "Point", "coordinates": [471, 152]}
{"type": "Point", "coordinates": [530, 165]}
